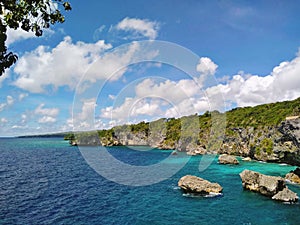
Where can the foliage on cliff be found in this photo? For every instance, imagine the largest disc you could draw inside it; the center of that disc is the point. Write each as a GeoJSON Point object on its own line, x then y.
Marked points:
{"type": "Point", "coordinates": [197, 130]}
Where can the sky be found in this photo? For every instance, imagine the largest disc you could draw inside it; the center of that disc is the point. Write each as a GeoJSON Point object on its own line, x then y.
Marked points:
{"type": "Point", "coordinates": [118, 62]}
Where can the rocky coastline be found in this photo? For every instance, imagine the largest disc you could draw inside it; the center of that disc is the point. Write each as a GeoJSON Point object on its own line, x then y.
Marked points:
{"type": "Point", "coordinates": [280, 144]}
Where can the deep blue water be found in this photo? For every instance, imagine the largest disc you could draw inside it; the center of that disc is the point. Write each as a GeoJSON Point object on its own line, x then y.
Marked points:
{"type": "Point", "coordinates": [46, 181]}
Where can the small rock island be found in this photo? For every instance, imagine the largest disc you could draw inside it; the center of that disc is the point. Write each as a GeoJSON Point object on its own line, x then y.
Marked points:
{"type": "Point", "coordinates": [197, 185]}
{"type": "Point", "coordinates": [270, 186]}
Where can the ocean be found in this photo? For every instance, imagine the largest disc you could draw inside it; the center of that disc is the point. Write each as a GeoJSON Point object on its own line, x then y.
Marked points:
{"type": "Point", "coordinates": [47, 181]}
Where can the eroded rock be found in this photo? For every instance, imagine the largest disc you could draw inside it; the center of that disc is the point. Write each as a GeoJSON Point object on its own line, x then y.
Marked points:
{"type": "Point", "coordinates": [294, 176]}
{"type": "Point", "coordinates": [270, 186]}
{"type": "Point", "coordinates": [264, 184]}
{"type": "Point", "coordinates": [197, 185]}
{"type": "Point", "coordinates": [286, 195]}
{"type": "Point", "coordinates": [228, 159]}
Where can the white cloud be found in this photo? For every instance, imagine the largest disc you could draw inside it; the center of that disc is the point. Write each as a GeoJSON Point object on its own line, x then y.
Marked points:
{"type": "Point", "coordinates": [22, 96]}
{"type": "Point", "coordinates": [48, 115]}
{"type": "Point", "coordinates": [44, 68]}
{"type": "Point", "coordinates": [139, 27]}
{"type": "Point", "coordinates": [4, 76]}
{"type": "Point", "coordinates": [23, 118]}
{"type": "Point", "coordinates": [171, 91]}
{"type": "Point", "coordinates": [3, 120]}
{"type": "Point", "coordinates": [17, 35]}
{"type": "Point", "coordinates": [47, 119]}
{"type": "Point", "coordinates": [283, 83]}
{"type": "Point", "coordinates": [159, 99]}
{"type": "Point", "coordinates": [2, 106]}
{"type": "Point", "coordinates": [10, 100]}
{"type": "Point", "coordinates": [206, 66]}
{"type": "Point", "coordinates": [17, 127]}
{"type": "Point", "coordinates": [85, 118]}
{"type": "Point", "coordinates": [40, 110]}
{"type": "Point", "coordinates": [63, 65]}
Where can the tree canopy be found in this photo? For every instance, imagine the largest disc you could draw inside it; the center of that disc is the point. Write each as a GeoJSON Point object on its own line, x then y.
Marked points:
{"type": "Point", "coordinates": [30, 16]}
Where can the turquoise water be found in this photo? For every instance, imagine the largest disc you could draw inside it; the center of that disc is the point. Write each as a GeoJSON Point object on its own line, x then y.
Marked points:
{"type": "Point", "coordinates": [46, 181]}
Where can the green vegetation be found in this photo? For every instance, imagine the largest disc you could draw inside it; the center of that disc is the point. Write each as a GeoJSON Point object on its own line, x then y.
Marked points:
{"type": "Point", "coordinates": [267, 145]}
{"type": "Point", "coordinates": [200, 129]}
{"type": "Point", "coordinates": [30, 16]}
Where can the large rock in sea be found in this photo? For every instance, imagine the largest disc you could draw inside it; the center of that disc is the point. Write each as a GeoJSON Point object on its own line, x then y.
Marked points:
{"type": "Point", "coordinates": [197, 185]}
{"type": "Point", "coordinates": [270, 186]}
{"type": "Point", "coordinates": [266, 185]}
{"type": "Point", "coordinates": [286, 195]}
{"type": "Point", "coordinates": [227, 159]}
{"type": "Point", "coordinates": [294, 176]}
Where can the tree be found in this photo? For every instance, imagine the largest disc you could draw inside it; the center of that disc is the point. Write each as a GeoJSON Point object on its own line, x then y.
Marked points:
{"type": "Point", "coordinates": [30, 16]}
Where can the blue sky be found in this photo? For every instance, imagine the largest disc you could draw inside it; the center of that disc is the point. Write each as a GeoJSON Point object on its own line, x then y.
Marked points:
{"type": "Point", "coordinates": [78, 77]}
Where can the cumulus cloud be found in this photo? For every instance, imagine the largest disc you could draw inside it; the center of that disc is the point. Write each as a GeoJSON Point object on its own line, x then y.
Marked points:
{"type": "Point", "coordinates": [186, 97]}
{"type": "Point", "coordinates": [47, 69]}
{"type": "Point", "coordinates": [9, 101]}
{"type": "Point", "coordinates": [40, 110]}
{"type": "Point", "coordinates": [250, 90]}
{"type": "Point", "coordinates": [17, 35]}
{"type": "Point", "coordinates": [206, 66]}
{"type": "Point", "coordinates": [63, 65]}
{"type": "Point", "coordinates": [158, 98]}
{"type": "Point", "coordinates": [139, 27]}
{"type": "Point", "coordinates": [84, 117]}
{"type": "Point", "coordinates": [48, 115]}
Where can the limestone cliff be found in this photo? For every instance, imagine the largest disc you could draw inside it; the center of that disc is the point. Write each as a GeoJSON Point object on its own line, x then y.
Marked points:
{"type": "Point", "coordinates": [265, 132]}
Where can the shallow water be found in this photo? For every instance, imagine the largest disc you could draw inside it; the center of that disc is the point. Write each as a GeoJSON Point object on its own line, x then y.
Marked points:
{"type": "Point", "coordinates": [46, 181]}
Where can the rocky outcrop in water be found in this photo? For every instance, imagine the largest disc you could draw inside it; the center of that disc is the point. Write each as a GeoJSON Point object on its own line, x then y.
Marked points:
{"type": "Point", "coordinates": [294, 176]}
{"type": "Point", "coordinates": [270, 186]}
{"type": "Point", "coordinates": [197, 185]}
{"type": "Point", "coordinates": [227, 159]}
{"type": "Point", "coordinates": [286, 195]}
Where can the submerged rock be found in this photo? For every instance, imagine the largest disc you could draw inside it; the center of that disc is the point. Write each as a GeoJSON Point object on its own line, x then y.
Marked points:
{"type": "Point", "coordinates": [294, 176]}
{"type": "Point", "coordinates": [227, 159]}
{"type": "Point", "coordinates": [266, 185]}
{"type": "Point", "coordinates": [197, 185]}
{"type": "Point", "coordinates": [286, 195]}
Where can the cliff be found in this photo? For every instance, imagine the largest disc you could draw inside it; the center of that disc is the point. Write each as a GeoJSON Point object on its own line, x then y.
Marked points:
{"type": "Point", "coordinates": [269, 132]}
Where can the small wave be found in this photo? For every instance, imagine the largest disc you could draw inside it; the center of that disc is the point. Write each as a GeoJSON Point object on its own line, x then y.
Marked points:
{"type": "Point", "coordinates": [262, 162]}
{"type": "Point", "coordinates": [210, 195]}
{"type": "Point", "coordinates": [176, 188]}
{"type": "Point", "coordinates": [213, 194]}
{"type": "Point", "coordinates": [283, 164]}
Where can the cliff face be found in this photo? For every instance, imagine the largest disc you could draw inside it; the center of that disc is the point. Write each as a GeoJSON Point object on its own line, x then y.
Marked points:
{"type": "Point", "coordinates": [272, 144]}
{"type": "Point", "coordinates": [255, 132]}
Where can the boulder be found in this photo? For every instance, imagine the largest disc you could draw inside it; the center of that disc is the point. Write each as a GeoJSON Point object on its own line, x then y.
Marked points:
{"type": "Point", "coordinates": [266, 185]}
{"type": "Point", "coordinates": [197, 185]}
{"type": "Point", "coordinates": [294, 176]}
{"type": "Point", "coordinates": [247, 159]}
{"type": "Point", "coordinates": [227, 159]}
{"type": "Point", "coordinates": [286, 195]}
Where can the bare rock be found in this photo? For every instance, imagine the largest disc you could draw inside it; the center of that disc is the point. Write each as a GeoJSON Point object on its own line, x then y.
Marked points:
{"type": "Point", "coordinates": [197, 185]}
{"type": "Point", "coordinates": [247, 159]}
{"type": "Point", "coordinates": [265, 185]}
{"type": "Point", "coordinates": [286, 195]}
{"type": "Point", "coordinates": [227, 159]}
{"type": "Point", "coordinates": [294, 176]}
